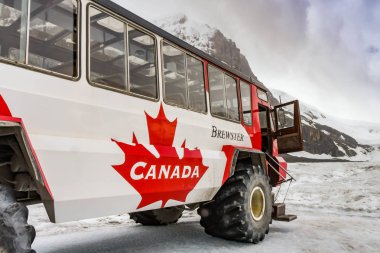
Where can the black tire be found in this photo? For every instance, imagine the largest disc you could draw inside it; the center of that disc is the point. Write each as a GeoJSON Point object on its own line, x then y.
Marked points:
{"type": "Point", "coordinates": [15, 233]}
{"type": "Point", "coordinates": [230, 217]}
{"type": "Point", "coordinates": [157, 217]}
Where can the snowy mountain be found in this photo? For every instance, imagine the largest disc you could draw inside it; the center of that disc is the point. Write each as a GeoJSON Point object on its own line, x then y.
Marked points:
{"type": "Point", "coordinates": [325, 137]}
{"type": "Point", "coordinates": [207, 39]}
{"type": "Point", "coordinates": [364, 132]}
{"type": "Point", "coordinates": [328, 137]}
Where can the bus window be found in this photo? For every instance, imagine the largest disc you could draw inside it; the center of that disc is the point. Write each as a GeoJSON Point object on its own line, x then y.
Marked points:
{"type": "Point", "coordinates": [52, 43]}
{"type": "Point", "coordinates": [107, 50]}
{"type": "Point", "coordinates": [245, 90]}
{"type": "Point", "coordinates": [52, 36]}
{"type": "Point", "coordinates": [142, 63]}
{"type": "Point", "coordinates": [175, 86]}
{"type": "Point", "coordinates": [13, 16]}
{"type": "Point", "coordinates": [196, 85]}
{"type": "Point", "coordinates": [11, 12]}
{"type": "Point", "coordinates": [217, 92]}
{"type": "Point", "coordinates": [262, 95]}
{"type": "Point", "coordinates": [232, 101]}
{"type": "Point", "coordinates": [223, 94]}
{"type": "Point", "coordinates": [263, 119]}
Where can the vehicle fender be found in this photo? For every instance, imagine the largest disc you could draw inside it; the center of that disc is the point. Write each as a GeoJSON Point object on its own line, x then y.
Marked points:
{"type": "Point", "coordinates": [14, 133]}
{"type": "Point", "coordinates": [234, 154]}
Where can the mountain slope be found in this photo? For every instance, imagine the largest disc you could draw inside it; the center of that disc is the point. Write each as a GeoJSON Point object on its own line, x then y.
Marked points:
{"type": "Point", "coordinates": [207, 39]}
{"type": "Point", "coordinates": [364, 132]}
{"type": "Point", "coordinates": [324, 136]}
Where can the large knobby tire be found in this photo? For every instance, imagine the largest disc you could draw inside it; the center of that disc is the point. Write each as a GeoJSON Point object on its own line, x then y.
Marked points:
{"type": "Point", "coordinates": [15, 233]}
{"type": "Point", "coordinates": [157, 217]}
{"type": "Point", "coordinates": [242, 209]}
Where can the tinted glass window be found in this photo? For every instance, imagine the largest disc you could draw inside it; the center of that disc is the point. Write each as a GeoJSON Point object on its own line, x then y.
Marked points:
{"type": "Point", "coordinates": [107, 50]}
{"type": "Point", "coordinates": [223, 94]}
{"type": "Point", "coordinates": [196, 86]}
{"type": "Point", "coordinates": [52, 34]}
{"type": "Point", "coordinates": [13, 18]}
{"type": "Point", "coordinates": [11, 12]}
{"type": "Point", "coordinates": [52, 40]}
{"type": "Point", "coordinates": [217, 92]}
{"type": "Point", "coordinates": [245, 90]}
{"type": "Point", "coordinates": [263, 119]}
{"type": "Point", "coordinates": [232, 98]}
{"type": "Point", "coordinates": [122, 57]}
{"type": "Point", "coordinates": [262, 95]}
{"type": "Point", "coordinates": [285, 116]}
{"type": "Point", "coordinates": [142, 63]}
{"type": "Point", "coordinates": [175, 85]}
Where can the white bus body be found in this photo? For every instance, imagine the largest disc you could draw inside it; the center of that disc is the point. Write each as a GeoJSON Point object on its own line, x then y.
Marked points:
{"type": "Point", "coordinates": [74, 128]}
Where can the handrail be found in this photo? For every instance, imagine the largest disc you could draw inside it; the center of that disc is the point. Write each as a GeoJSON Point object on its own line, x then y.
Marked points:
{"type": "Point", "coordinates": [287, 173]}
{"type": "Point", "coordinates": [278, 173]}
{"type": "Point", "coordinates": [283, 179]}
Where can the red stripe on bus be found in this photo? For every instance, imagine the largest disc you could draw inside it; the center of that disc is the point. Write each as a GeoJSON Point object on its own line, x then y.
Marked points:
{"type": "Point", "coordinates": [229, 152]}
{"type": "Point", "coordinates": [4, 110]}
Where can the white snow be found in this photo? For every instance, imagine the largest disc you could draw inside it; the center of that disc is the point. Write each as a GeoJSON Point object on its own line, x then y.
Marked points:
{"type": "Point", "coordinates": [362, 155]}
{"type": "Point", "coordinates": [325, 132]}
{"type": "Point", "coordinates": [338, 208]}
{"type": "Point", "coordinates": [310, 233]}
{"type": "Point", "coordinates": [192, 32]}
{"type": "Point", "coordinates": [339, 147]}
{"type": "Point", "coordinates": [305, 154]}
{"type": "Point", "coordinates": [364, 132]}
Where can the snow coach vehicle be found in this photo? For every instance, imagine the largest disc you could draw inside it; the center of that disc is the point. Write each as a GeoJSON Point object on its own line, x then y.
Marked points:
{"type": "Point", "coordinates": [103, 113]}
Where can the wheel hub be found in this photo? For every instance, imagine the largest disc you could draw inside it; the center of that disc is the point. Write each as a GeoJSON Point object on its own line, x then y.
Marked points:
{"type": "Point", "coordinates": [257, 203]}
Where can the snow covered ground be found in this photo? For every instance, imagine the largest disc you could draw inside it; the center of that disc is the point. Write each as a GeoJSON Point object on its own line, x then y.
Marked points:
{"type": "Point", "coordinates": [338, 208]}
{"type": "Point", "coordinates": [310, 233]}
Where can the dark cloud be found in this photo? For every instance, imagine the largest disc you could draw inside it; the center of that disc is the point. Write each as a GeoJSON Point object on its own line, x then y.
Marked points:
{"type": "Point", "coordinates": [373, 50]}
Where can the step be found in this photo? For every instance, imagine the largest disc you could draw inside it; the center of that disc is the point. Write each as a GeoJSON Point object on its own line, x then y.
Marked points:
{"type": "Point", "coordinates": [286, 217]}
{"type": "Point", "coordinates": [278, 210]}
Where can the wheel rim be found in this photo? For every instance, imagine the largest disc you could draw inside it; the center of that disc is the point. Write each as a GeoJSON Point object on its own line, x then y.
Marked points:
{"type": "Point", "coordinates": [257, 203]}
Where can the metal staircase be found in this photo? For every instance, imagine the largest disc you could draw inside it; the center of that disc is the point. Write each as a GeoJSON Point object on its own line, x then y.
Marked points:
{"type": "Point", "coordinates": [279, 208]}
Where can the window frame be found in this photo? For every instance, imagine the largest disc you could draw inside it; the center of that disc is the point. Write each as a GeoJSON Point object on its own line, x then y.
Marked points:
{"type": "Point", "coordinates": [225, 73]}
{"type": "Point", "coordinates": [78, 68]}
{"type": "Point", "coordinates": [250, 99]}
{"type": "Point", "coordinates": [126, 23]}
{"type": "Point", "coordinates": [187, 53]}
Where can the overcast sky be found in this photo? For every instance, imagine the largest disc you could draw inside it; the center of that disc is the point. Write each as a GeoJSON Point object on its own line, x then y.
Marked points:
{"type": "Point", "coordinates": [326, 53]}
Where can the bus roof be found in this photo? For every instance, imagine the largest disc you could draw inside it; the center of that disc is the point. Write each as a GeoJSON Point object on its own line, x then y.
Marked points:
{"type": "Point", "coordinates": [173, 39]}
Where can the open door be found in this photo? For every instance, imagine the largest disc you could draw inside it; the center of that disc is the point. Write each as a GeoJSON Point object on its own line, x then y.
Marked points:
{"type": "Point", "coordinates": [288, 127]}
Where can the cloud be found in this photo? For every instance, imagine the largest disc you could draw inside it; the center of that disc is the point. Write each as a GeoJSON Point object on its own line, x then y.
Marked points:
{"type": "Point", "coordinates": [323, 52]}
{"type": "Point", "coordinates": [373, 50]}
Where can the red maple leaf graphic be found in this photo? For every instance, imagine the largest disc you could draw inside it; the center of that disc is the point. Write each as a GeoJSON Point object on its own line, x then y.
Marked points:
{"type": "Point", "coordinates": [164, 177]}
